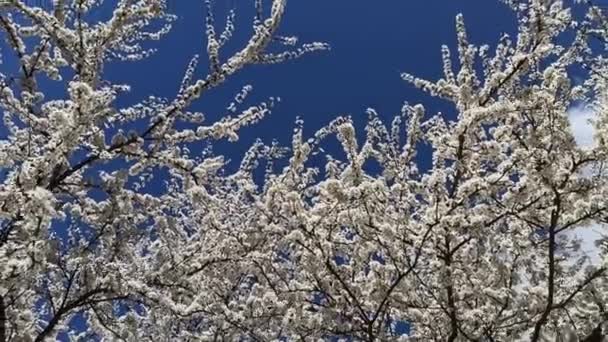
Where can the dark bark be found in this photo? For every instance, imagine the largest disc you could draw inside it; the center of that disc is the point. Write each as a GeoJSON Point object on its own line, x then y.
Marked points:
{"type": "Point", "coordinates": [2, 320]}
{"type": "Point", "coordinates": [595, 336]}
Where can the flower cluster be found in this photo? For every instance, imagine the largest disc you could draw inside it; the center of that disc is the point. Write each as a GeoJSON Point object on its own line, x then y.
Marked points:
{"type": "Point", "coordinates": [480, 246]}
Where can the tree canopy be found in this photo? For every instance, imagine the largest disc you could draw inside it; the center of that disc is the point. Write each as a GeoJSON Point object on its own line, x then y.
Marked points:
{"type": "Point", "coordinates": [298, 244]}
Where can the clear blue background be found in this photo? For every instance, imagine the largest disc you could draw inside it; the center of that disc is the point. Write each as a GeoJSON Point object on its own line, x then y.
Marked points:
{"type": "Point", "coordinates": [372, 43]}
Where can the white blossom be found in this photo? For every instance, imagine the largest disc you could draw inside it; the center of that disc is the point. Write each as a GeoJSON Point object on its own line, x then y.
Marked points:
{"type": "Point", "coordinates": [483, 245]}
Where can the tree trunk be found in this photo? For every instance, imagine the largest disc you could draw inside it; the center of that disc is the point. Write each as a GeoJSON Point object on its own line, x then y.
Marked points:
{"type": "Point", "coordinates": [2, 320]}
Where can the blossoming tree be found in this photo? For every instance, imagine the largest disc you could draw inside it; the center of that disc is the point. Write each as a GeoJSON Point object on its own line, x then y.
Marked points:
{"type": "Point", "coordinates": [477, 247]}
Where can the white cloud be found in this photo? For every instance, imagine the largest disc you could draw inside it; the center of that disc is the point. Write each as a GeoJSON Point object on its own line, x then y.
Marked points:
{"type": "Point", "coordinates": [582, 129]}
{"type": "Point", "coordinates": [588, 235]}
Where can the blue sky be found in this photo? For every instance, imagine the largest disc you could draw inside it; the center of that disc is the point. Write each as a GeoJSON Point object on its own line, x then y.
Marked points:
{"type": "Point", "coordinates": [372, 43]}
